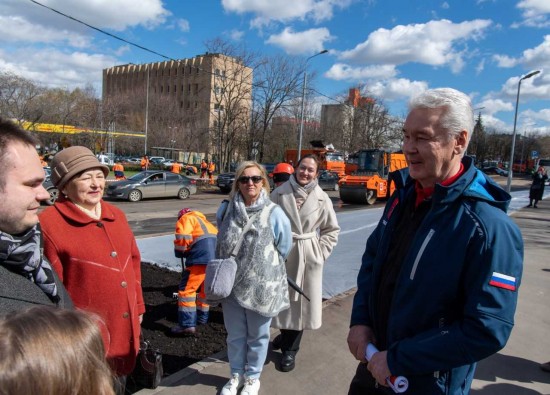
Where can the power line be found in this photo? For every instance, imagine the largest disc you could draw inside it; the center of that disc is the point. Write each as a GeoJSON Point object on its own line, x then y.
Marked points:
{"type": "Point", "coordinates": [150, 50]}
{"type": "Point", "coordinates": [101, 31]}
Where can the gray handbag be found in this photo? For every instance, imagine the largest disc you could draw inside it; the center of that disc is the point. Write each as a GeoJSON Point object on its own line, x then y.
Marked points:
{"type": "Point", "coordinates": [220, 273]}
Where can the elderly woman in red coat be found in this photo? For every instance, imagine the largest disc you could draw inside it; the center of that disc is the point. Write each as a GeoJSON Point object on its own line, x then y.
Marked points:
{"type": "Point", "coordinates": [91, 246]}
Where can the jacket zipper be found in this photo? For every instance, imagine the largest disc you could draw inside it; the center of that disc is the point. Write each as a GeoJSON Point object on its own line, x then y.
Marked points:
{"type": "Point", "coordinates": [420, 252]}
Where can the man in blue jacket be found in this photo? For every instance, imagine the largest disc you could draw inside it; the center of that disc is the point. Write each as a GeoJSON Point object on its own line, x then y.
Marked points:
{"type": "Point", "coordinates": [438, 284]}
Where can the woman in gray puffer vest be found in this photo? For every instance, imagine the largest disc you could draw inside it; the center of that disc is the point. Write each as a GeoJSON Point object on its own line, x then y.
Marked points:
{"type": "Point", "coordinates": [260, 291]}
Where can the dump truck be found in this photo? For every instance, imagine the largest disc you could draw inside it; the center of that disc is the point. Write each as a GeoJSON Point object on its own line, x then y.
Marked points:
{"type": "Point", "coordinates": [329, 159]}
{"type": "Point", "coordinates": [369, 181]}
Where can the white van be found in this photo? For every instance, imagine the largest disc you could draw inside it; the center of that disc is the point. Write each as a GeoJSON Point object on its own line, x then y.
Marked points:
{"type": "Point", "coordinates": [104, 160]}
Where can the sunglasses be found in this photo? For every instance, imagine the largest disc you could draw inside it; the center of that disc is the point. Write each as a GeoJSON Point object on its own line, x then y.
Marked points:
{"type": "Point", "coordinates": [255, 179]}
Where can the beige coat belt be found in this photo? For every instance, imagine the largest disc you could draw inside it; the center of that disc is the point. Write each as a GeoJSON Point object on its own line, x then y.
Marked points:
{"type": "Point", "coordinates": [302, 265]}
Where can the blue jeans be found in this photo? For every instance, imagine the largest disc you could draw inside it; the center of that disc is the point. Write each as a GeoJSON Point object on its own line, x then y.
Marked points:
{"type": "Point", "coordinates": [247, 339]}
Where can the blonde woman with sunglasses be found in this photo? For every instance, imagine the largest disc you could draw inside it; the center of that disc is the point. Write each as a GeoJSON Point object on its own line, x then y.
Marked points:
{"type": "Point", "coordinates": [260, 291]}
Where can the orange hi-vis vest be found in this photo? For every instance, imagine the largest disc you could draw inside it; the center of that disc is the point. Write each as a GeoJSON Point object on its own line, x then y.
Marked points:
{"type": "Point", "coordinates": [195, 238]}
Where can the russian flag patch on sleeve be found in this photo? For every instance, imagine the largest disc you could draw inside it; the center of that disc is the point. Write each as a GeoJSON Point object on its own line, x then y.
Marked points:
{"type": "Point", "coordinates": [503, 281]}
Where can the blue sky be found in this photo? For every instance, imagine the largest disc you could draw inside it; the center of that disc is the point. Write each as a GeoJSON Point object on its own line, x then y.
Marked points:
{"type": "Point", "coordinates": [395, 48]}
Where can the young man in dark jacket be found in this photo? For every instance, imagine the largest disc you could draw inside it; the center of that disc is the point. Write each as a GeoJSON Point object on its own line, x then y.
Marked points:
{"type": "Point", "coordinates": [26, 277]}
{"type": "Point", "coordinates": [437, 289]}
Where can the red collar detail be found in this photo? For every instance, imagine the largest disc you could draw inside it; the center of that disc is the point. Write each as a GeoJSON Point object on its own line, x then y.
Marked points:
{"type": "Point", "coordinates": [425, 193]}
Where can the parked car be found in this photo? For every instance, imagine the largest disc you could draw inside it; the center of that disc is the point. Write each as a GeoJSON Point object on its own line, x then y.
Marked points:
{"type": "Point", "coordinates": [328, 180]}
{"type": "Point", "coordinates": [168, 163]}
{"type": "Point", "coordinates": [225, 182]}
{"type": "Point", "coordinates": [150, 183]}
{"type": "Point", "coordinates": [157, 160]}
{"type": "Point", "coordinates": [495, 170]}
{"type": "Point", "coordinates": [48, 185]}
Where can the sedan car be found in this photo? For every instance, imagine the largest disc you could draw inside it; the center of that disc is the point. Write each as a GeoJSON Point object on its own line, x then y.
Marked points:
{"type": "Point", "coordinates": [225, 182]}
{"type": "Point", "coordinates": [48, 185]}
{"type": "Point", "coordinates": [328, 180]}
{"type": "Point", "coordinates": [52, 190]}
{"type": "Point", "coordinates": [152, 184]}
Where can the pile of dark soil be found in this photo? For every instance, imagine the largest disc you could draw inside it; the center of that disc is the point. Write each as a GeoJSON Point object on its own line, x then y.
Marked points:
{"type": "Point", "coordinates": [158, 286]}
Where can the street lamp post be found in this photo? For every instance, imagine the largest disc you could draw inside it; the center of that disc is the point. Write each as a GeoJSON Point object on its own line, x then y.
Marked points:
{"type": "Point", "coordinates": [303, 103]}
{"type": "Point", "coordinates": [511, 162]}
{"type": "Point", "coordinates": [146, 109]}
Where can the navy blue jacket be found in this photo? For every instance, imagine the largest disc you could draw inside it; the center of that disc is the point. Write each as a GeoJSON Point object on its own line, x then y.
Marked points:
{"type": "Point", "coordinates": [456, 293]}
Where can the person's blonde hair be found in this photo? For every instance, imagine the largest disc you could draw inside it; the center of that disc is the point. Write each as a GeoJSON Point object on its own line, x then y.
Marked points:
{"type": "Point", "coordinates": [239, 172]}
{"type": "Point", "coordinates": [50, 351]}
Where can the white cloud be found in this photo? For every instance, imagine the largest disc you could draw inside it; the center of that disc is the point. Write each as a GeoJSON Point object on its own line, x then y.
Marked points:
{"type": "Point", "coordinates": [538, 57]}
{"type": "Point", "coordinates": [397, 89]}
{"type": "Point", "coordinates": [542, 115]}
{"type": "Point", "coordinates": [532, 58]}
{"type": "Point", "coordinates": [480, 67]}
{"type": "Point", "coordinates": [493, 106]}
{"type": "Point", "coordinates": [57, 69]}
{"type": "Point", "coordinates": [285, 11]}
{"type": "Point", "coordinates": [18, 29]}
{"type": "Point", "coordinates": [112, 14]}
{"type": "Point", "coordinates": [535, 13]}
{"type": "Point", "coordinates": [236, 35]}
{"type": "Point", "coordinates": [431, 43]}
{"type": "Point", "coordinates": [298, 43]}
{"type": "Point", "coordinates": [183, 25]}
{"type": "Point", "coordinates": [505, 61]}
{"type": "Point", "coordinates": [344, 72]}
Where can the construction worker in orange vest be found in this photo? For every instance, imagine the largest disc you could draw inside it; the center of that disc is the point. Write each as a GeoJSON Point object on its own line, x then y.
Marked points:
{"type": "Point", "coordinates": [211, 169]}
{"type": "Point", "coordinates": [176, 167]}
{"type": "Point", "coordinates": [195, 244]}
{"type": "Point", "coordinates": [204, 168]}
{"type": "Point", "coordinates": [118, 169]}
{"type": "Point", "coordinates": [144, 163]}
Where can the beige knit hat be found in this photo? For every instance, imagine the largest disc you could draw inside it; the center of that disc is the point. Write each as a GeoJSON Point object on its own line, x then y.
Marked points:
{"type": "Point", "coordinates": [71, 161]}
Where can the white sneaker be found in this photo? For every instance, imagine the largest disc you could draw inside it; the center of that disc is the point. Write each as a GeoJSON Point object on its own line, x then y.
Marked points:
{"type": "Point", "coordinates": [233, 385]}
{"type": "Point", "coordinates": [251, 386]}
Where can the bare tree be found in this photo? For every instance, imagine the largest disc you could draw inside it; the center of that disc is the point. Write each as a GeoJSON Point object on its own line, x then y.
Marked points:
{"type": "Point", "coordinates": [18, 98]}
{"type": "Point", "coordinates": [277, 83]}
{"type": "Point", "coordinates": [232, 98]}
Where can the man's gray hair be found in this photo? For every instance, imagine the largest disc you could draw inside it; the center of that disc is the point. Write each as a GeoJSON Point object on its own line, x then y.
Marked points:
{"type": "Point", "coordinates": [459, 115]}
{"type": "Point", "coordinates": [11, 133]}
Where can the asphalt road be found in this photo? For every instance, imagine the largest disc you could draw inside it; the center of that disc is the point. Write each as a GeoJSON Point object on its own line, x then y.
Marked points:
{"type": "Point", "coordinates": [151, 217]}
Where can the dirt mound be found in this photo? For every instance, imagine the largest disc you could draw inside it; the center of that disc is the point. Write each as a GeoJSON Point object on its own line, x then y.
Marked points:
{"type": "Point", "coordinates": [159, 286]}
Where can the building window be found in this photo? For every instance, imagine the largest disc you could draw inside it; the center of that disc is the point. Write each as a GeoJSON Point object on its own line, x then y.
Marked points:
{"type": "Point", "coordinates": [188, 104]}
{"type": "Point", "coordinates": [167, 88]}
{"type": "Point", "coordinates": [189, 88]}
{"type": "Point", "coordinates": [196, 89]}
{"type": "Point", "coordinates": [198, 70]}
{"type": "Point", "coordinates": [217, 72]}
{"type": "Point", "coordinates": [168, 72]}
{"type": "Point", "coordinates": [181, 104]}
{"type": "Point", "coordinates": [196, 104]}
{"type": "Point", "coordinates": [161, 89]}
{"type": "Point", "coordinates": [175, 88]}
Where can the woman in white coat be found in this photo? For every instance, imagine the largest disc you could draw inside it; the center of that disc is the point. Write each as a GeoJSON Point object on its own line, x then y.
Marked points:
{"type": "Point", "coordinates": [315, 233]}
